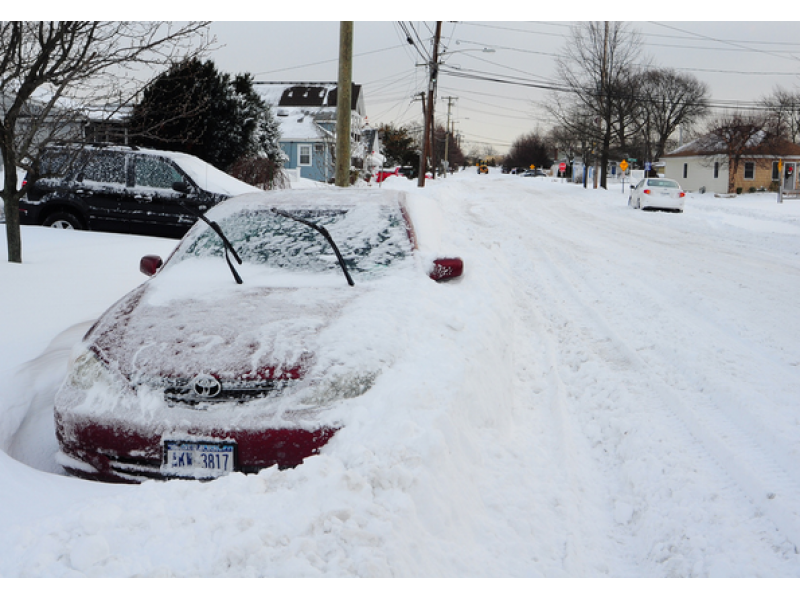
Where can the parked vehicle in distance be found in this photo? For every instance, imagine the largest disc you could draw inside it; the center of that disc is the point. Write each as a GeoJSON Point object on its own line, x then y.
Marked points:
{"type": "Point", "coordinates": [200, 372]}
{"type": "Point", "coordinates": [534, 173]}
{"type": "Point", "coordinates": [124, 189]}
{"type": "Point", "coordinates": [654, 193]}
{"type": "Point", "coordinates": [407, 172]}
{"type": "Point", "coordinates": [384, 174]}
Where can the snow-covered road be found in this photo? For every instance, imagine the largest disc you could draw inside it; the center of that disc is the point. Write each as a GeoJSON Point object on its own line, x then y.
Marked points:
{"type": "Point", "coordinates": [657, 363]}
{"type": "Point", "coordinates": [607, 393]}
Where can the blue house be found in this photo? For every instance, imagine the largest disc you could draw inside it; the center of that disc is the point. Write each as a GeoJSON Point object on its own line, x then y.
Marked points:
{"type": "Point", "coordinates": [306, 113]}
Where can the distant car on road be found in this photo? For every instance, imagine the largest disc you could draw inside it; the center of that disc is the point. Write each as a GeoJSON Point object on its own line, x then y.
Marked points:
{"type": "Point", "coordinates": [200, 372]}
{"type": "Point", "coordinates": [534, 173]}
{"type": "Point", "coordinates": [124, 189]}
{"type": "Point", "coordinates": [653, 193]}
{"type": "Point", "coordinates": [384, 174]}
{"type": "Point", "coordinates": [407, 172]}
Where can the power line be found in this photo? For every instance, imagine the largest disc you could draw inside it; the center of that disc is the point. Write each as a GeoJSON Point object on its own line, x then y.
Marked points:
{"type": "Point", "coordinates": [331, 60]}
{"type": "Point", "coordinates": [735, 44]}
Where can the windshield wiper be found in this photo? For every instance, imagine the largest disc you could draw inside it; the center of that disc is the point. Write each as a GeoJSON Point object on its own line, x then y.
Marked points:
{"type": "Point", "coordinates": [225, 243]}
{"type": "Point", "coordinates": [325, 234]}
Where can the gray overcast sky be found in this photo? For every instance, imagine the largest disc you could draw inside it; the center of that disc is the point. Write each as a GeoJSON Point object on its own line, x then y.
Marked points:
{"type": "Point", "coordinates": [740, 61]}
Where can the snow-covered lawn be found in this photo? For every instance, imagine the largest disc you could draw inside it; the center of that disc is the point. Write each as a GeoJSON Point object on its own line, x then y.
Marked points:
{"type": "Point", "coordinates": [606, 393]}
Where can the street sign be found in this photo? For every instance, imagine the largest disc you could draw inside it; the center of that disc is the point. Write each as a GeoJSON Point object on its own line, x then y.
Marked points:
{"type": "Point", "coordinates": [623, 165]}
{"type": "Point", "coordinates": [562, 167]}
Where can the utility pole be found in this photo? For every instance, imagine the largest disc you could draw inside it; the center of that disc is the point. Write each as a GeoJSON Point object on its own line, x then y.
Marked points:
{"type": "Point", "coordinates": [344, 103]}
{"type": "Point", "coordinates": [434, 73]}
{"type": "Point", "coordinates": [447, 136]}
{"type": "Point", "coordinates": [422, 152]}
{"type": "Point", "coordinates": [605, 102]}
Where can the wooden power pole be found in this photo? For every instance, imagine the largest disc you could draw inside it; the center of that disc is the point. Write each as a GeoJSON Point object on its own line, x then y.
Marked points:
{"type": "Point", "coordinates": [427, 150]}
{"type": "Point", "coordinates": [344, 103]}
{"type": "Point", "coordinates": [447, 136]}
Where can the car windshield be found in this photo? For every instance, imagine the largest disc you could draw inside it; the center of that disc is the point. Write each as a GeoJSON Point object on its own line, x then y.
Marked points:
{"type": "Point", "coordinates": [370, 238]}
{"type": "Point", "coordinates": [665, 183]}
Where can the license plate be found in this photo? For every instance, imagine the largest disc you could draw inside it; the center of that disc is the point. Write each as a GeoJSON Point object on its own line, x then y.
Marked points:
{"type": "Point", "coordinates": [198, 459]}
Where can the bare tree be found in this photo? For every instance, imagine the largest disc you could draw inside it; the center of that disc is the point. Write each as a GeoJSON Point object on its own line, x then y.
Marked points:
{"type": "Point", "coordinates": [529, 149]}
{"type": "Point", "coordinates": [52, 72]}
{"type": "Point", "coordinates": [596, 71]}
{"type": "Point", "coordinates": [785, 108]}
{"type": "Point", "coordinates": [668, 100]}
{"type": "Point", "coordinates": [737, 136]}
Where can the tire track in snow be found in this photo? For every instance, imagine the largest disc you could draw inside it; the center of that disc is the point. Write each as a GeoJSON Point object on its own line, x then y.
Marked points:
{"type": "Point", "coordinates": [681, 509]}
{"type": "Point", "coordinates": [544, 424]}
{"type": "Point", "coordinates": [756, 472]}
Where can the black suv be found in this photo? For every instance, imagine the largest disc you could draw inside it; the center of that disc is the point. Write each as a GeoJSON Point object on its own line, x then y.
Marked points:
{"type": "Point", "coordinates": [124, 190]}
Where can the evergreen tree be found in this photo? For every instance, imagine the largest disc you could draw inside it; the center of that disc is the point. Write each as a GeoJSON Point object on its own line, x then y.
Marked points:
{"type": "Point", "coordinates": [218, 118]}
{"type": "Point", "coordinates": [399, 147]}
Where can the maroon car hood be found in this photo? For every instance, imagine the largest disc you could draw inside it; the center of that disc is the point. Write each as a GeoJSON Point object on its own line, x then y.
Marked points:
{"type": "Point", "coordinates": [256, 332]}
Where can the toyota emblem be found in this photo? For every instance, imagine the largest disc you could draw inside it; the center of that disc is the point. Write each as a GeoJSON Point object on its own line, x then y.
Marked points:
{"type": "Point", "coordinates": [206, 386]}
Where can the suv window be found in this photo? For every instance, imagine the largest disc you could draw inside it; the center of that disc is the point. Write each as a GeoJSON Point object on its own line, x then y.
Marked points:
{"type": "Point", "coordinates": [55, 164]}
{"type": "Point", "coordinates": [104, 167]}
{"type": "Point", "coordinates": [150, 171]}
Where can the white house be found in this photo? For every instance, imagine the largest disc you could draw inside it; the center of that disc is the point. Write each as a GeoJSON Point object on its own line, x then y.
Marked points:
{"type": "Point", "coordinates": [704, 164]}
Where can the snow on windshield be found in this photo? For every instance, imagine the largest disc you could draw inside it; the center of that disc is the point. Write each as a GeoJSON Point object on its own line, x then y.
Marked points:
{"type": "Point", "coordinates": [370, 238]}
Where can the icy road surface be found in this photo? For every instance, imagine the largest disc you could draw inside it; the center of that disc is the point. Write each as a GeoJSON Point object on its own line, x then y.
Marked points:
{"type": "Point", "coordinates": [606, 393]}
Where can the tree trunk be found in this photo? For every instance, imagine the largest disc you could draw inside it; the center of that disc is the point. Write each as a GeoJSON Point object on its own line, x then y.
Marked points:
{"type": "Point", "coordinates": [733, 167]}
{"type": "Point", "coordinates": [604, 154]}
{"type": "Point", "coordinates": [14, 239]}
{"type": "Point", "coordinates": [11, 207]}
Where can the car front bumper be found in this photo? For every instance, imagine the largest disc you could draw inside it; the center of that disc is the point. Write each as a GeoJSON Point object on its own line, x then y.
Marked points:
{"type": "Point", "coordinates": [119, 453]}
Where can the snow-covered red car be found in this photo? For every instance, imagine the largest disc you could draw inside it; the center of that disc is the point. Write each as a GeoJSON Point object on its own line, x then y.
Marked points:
{"type": "Point", "coordinates": [384, 174]}
{"type": "Point", "coordinates": [208, 368]}
{"type": "Point", "coordinates": [407, 172]}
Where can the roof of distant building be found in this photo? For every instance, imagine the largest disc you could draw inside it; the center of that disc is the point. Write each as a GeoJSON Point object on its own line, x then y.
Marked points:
{"type": "Point", "coordinates": [321, 95]}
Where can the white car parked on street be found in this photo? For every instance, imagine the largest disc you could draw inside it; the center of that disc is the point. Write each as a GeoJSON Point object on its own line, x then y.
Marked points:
{"type": "Point", "coordinates": [657, 194]}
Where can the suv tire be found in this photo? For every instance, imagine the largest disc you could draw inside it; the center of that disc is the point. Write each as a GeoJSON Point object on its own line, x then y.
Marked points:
{"type": "Point", "coordinates": [62, 220]}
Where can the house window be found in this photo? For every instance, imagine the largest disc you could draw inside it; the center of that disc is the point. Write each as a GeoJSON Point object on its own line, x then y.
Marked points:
{"type": "Point", "coordinates": [775, 172]}
{"type": "Point", "coordinates": [685, 170]}
{"type": "Point", "coordinates": [716, 170]}
{"type": "Point", "coordinates": [304, 155]}
{"type": "Point", "coordinates": [749, 170]}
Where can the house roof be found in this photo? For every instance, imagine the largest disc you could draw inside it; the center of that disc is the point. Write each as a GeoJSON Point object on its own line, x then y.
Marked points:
{"type": "Point", "coordinates": [309, 95]}
{"type": "Point", "coordinates": [297, 125]}
{"type": "Point", "coordinates": [710, 145]}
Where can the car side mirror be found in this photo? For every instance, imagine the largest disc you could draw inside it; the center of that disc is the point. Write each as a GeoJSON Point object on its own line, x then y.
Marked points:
{"type": "Point", "coordinates": [447, 268]}
{"type": "Point", "coordinates": [150, 264]}
{"type": "Point", "coordinates": [182, 187]}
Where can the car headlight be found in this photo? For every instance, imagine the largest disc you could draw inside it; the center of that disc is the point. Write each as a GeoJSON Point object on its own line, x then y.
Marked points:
{"type": "Point", "coordinates": [87, 371]}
